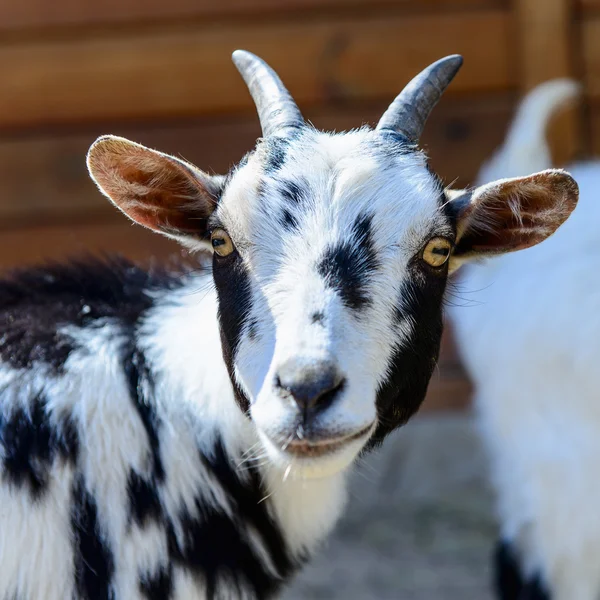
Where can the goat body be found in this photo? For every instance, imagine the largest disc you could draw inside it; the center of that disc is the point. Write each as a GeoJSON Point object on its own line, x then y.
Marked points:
{"type": "Point", "coordinates": [187, 435]}
{"type": "Point", "coordinates": [529, 338]}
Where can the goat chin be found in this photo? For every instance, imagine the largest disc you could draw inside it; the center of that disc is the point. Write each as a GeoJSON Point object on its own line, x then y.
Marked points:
{"type": "Point", "coordinates": [327, 464]}
{"type": "Point", "coordinates": [528, 336]}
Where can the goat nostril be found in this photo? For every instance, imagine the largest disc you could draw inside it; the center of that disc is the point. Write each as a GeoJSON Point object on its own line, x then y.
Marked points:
{"type": "Point", "coordinates": [311, 386]}
{"type": "Point", "coordinates": [327, 398]}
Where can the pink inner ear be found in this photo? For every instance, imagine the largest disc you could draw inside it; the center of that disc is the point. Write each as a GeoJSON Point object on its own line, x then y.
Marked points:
{"type": "Point", "coordinates": [517, 214]}
{"type": "Point", "coordinates": [155, 190]}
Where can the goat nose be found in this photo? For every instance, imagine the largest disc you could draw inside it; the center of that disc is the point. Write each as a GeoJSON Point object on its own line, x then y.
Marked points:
{"type": "Point", "coordinates": [313, 386]}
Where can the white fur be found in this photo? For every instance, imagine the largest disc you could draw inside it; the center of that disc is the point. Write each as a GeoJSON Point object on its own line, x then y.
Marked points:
{"type": "Point", "coordinates": [529, 337]}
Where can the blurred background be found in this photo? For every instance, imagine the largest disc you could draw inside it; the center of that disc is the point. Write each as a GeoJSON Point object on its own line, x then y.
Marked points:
{"type": "Point", "coordinates": [159, 72]}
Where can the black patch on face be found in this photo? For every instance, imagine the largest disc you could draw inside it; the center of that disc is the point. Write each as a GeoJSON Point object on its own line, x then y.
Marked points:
{"type": "Point", "coordinates": [317, 317]}
{"type": "Point", "coordinates": [275, 149]}
{"type": "Point", "coordinates": [288, 220]}
{"type": "Point", "coordinates": [412, 364]}
{"type": "Point", "coordinates": [216, 546]}
{"type": "Point", "coordinates": [509, 581]}
{"type": "Point", "coordinates": [292, 192]}
{"type": "Point", "coordinates": [36, 303]}
{"type": "Point", "coordinates": [93, 560]}
{"type": "Point", "coordinates": [144, 503]}
{"type": "Point", "coordinates": [347, 267]}
{"type": "Point", "coordinates": [141, 391]}
{"type": "Point", "coordinates": [234, 292]}
{"type": "Point", "coordinates": [31, 443]}
{"type": "Point", "coordinates": [158, 586]}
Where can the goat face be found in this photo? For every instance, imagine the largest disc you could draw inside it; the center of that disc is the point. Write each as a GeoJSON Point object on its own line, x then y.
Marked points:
{"type": "Point", "coordinates": [330, 259]}
{"type": "Point", "coordinates": [327, 305]}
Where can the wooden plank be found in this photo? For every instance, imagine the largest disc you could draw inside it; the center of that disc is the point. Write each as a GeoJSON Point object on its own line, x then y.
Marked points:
{"type": "Point", "coordinates": [41, 14]}
{"type": "Point", "coordinates": [594, 127]}
{"type": "Point", "coordinates": [544, 30]}
{"type": "Point", "coordinates": [587, 5]}
{"type": "Point", "coordinates": [590, 41]}
{"type": "Point", "coordinates": [42, 244]}
{"type": "Point", "coordinates": [458, 136]}
{"type": "Point", "coordinates": [188, 70]}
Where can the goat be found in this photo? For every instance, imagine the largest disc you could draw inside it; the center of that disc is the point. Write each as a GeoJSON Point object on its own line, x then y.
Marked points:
{"type": "Point", "coordinates": [188, 434]}
{"type": "Point", "coordinates": [529, 343]}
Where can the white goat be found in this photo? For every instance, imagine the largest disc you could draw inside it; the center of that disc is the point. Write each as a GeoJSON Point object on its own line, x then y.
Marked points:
{"type": "Point", "coordinates": [530, 340]}
{"type": "Point", "coordinates": [187, 435]}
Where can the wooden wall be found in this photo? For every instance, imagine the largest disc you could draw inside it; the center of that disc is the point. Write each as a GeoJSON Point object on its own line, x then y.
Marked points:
{"type": "Point", "coordinates": [159, 72]}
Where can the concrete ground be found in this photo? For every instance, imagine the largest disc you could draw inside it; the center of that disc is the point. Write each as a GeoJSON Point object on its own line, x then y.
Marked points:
{"type": "Point", "coordinates": [419, 525]}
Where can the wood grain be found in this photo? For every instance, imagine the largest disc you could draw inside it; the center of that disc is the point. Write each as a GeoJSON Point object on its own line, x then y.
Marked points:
{"type": "Point", "coordinates": [590, 41]}
{"type": "Point", "coordinates": [587, 5]}
{"type": "Point", "coordinates": [188, 70]}
{"type": "Point", "coordinates": [51, 243]}
{"type": "Point", "coordinates": [458, 136]}
{"type": "Point", "coordinates": [43, 14]}
{"type": "Point", "coordinates": [594, 127]}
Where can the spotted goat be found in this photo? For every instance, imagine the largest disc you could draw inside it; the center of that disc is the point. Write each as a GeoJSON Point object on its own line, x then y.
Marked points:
{"type": "Point", "coordinates": [188, 434]}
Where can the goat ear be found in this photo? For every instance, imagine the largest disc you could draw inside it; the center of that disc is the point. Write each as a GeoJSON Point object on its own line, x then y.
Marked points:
{"type": "Point", "coordinates": [156, 190]}
{"type": "Point", "coordinates": [511, 214]}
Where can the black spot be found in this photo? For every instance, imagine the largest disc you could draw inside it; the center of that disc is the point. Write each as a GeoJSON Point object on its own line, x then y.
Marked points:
{"type": "Point", "coordinates": [253, 328]}
{"type": "Point", "coordinates": [144, 503]}
{"type": "Point", "coordinates": [274, 152]}
{"type": "Point", "coordinates": [288, 220]}
{"type": "Point", "coordinates": [347, 267]}
{"type": "Point", "coordinates": [93, 560]}
{"type": "Point", "coordinates": [141, 391]}
{"type": "Point", "coordinates": [248, 497]}
{"type": "Point", "coordinates": [31, 443]}
{"type": "Point", "coordinates": [68, 441]}
{"type": "Point", "coordinates": [36, 303]}
{"type": "Point", "coordinates": [234, 292]}
{"type": "Point", "coordinates": [158, 586]}
{"type": "Point", "coordinates": [413, 361]}
{"type": "Point", "coordinates": [509, 581]}
{"type": "Point", "coordinates": [215, 545]}
{"type": "Point", "coordinates": [317, 317]}
{"type": "Point", "coordinates": [292, 192]}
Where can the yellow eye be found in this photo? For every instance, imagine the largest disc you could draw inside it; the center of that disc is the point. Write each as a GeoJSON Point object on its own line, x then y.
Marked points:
{"type": "Point", "coordinates": [437, 252]}
{"type": "Point", "coordinates": [221, 242]}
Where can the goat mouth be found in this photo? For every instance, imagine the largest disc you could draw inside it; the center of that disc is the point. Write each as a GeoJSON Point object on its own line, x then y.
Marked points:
{"type": "Point", "coordinates": [313, 448]}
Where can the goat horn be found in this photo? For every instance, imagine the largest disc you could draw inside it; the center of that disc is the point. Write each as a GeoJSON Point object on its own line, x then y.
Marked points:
{"type": "Point", "coordinates": [277, 110]}
{"type": "Point", "coordinates": [407, 114]}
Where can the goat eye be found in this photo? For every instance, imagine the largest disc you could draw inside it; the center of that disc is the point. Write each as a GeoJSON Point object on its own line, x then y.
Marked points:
{"type": "Point", "coordinates": [437, 252]}
{"type": "Point", "coordinates": [221, 242]}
